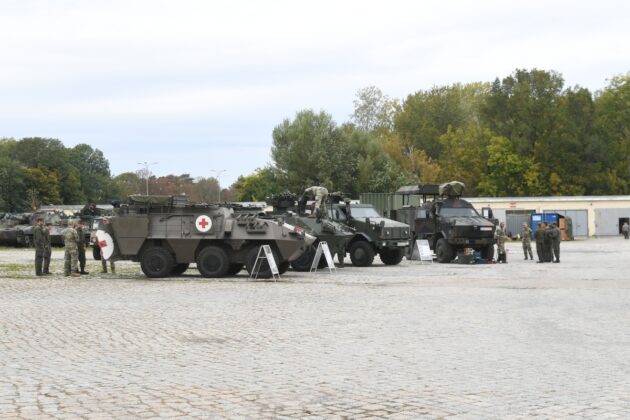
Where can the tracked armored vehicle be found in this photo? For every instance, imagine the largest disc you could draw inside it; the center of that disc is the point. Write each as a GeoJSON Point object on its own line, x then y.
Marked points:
{"type": "Point", "coordinates": [448, 222]}
{"type": "Point", "coordinates": [373, 233]}
{"type": "Point", "coordinates": [336, 235]}
{"type": "Point", "coordinates": [165, 234]}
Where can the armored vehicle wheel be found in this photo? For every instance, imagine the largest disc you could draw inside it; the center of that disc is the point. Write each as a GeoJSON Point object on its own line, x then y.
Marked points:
{"type": "Point", "coordinates": [157, 262]}
{"type": "Point", "coordinates": [487, 253]}
{"type": "Point", "coordinates": [179, 269]}
{"type": "Point", "coordinates": [304, 262]}
{"type": "Point", "coordinates": [283, 267]}
{"type": "Point", "coordinates": [443, 251]}
{"type": "Point", "coordinates": [361, 254]}
{"type": "Point", "coordinates": [234, 269]}
{"type": "Point", "coordinates": [391, 256]}
{"type": "Point", "coordinates": [264, 271]}
{"type": "Point", "coordinates": [212, 261]}
{"type": "Point", "coordinates": [96, 252]}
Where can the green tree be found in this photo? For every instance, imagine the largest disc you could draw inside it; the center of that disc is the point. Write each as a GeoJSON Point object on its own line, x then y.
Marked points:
{"type": "Point", "coordinates": [128, 183]}
{"type": "Point", "coordinates": [613, 111]}
{"type": "Point", "coordinates": [93, 169]}
{"type": "Point", "coordinates": [257, 186]}
{"type": "Point", "coordinates": [465, 155]}
{"type": "Point", "coordinates": [508, 173]}
{"type": "Point", "coordinates": [374, 111]}
{"type": "Point", "coordinates": [312, 150]}
{"type": "Point", "coordinates": [13, 184]}
{"type": "Point", "coordinates": [46, 183]}
{"type": "Point", "coordinates": [426, 115]}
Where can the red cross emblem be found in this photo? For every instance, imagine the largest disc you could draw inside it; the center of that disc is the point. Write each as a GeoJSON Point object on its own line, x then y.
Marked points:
{"type": "Point", "coordinates": [102, 244]}
{"type": "Point", "coordinates": [203, 223]}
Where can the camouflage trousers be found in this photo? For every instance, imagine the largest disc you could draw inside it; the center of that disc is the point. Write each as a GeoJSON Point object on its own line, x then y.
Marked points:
{"type": "Point", "coordinates": [527, 249]}
{"type": "Point", "coordinates": [39, 259]}
{"type": "Point", "coordinates": [71, 261]}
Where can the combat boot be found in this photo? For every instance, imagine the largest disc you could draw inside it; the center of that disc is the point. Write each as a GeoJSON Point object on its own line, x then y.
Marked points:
{"type": "Point", "coordinates": [84, 272]}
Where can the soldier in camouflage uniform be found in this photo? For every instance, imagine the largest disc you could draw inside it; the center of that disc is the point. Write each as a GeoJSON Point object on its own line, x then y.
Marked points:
{"type": "Point", "coordinates": [319, 194]}
{"type": "Point", "coordinates": [39, 242]}
{"type": "Point", "coordinates": [554, 236]}
{"type": "Point", "coordinates": [539, 235]}
{"type": "Point", "coordinates": [81, 247]}
{"type": "Point", "coordinates": [547, 243]}
{"type": "Point", "coordinates": [500, 237]}
{"type": "Point", "coordinates": [71, 256]}
{"type": "Point", "coordinates": [526, 237]}
{"type": "Point", "coordinates": [47, 248]}
{"type": "Point", "coordinates": [625, 229]}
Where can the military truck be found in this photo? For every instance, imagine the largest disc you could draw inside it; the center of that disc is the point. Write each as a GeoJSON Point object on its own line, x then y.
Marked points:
{"type": "Point", "coordinates": [373, 234]}
{"type": "Point", "coordinates": [448, 222]}
{"type": "Point", "coordinates": [165, 234]}
{"type": "Point", "coordinates": [336, 235]}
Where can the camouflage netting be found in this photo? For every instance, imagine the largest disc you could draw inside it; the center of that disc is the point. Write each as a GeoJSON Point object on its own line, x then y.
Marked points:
{"type": "Point", "coordinates": [161, 200]}
{"type": "Point", "coordinates": [452, 189]}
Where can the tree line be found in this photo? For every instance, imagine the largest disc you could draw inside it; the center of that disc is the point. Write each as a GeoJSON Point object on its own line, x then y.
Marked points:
{"type": "Point", "coordinates": [524, 134]}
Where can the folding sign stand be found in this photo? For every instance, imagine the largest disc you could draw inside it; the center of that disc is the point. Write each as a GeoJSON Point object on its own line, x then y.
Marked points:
{"type": "Point", "coordinates": [264, 253]}
{"type": "Point", "coordinates": [323, 247]}
{"type": "Point", "coordinates": [424, 251]}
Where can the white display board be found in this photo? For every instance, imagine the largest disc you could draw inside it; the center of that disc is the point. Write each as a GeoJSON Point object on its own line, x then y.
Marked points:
{"type": "Point", "coordinates": [424, 251]}
{"type": "Point", "coordinates": [322, 247]}
{"type": "Point", "coordinates": [264, 253]}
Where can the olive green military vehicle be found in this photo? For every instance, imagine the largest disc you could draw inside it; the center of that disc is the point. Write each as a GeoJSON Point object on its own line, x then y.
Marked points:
{"type": "Point", "coordinates": [446, 220]}
{"type": "Point", "coordinates": [336, 235]}
{"type": "Point", "coordinates": [373, 234]}
{"type": "Point", "coordinates": [165, 234]}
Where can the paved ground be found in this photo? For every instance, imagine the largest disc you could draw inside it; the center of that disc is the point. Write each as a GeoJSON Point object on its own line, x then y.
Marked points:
{"type": "Point", "coordinates": [492, 341]}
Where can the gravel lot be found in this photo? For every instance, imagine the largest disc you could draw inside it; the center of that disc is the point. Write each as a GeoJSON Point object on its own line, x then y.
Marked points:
{"type": "Point", "coordinates": [416, 340]}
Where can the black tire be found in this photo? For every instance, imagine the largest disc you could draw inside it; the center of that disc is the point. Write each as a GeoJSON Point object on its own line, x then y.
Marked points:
{"type": "Point", "coordinates": [157, 262]}
{"type": "Point", "coordinates": [283, 267]}
{"type": "Point", "coordinates": [96, 252]}
{"type": "Point", "coordinates": [487, 253]}
{"type": "Point", "coordinates": [304, 261]}
{"type": "Point", "coordinates": [361, 254]}
{"type": "Point", "coordinates": [213, 261]}
{"type": "Point", "coordinates": [179, 269]}
{"type": "Point", "coordinates": [443, 251]}
{"type": "Point", "coordinates": [264, 272]}
{"type": "Point", "coordinates": [234, 269]}
{"type": "Point", "coordinates": [391, 256]}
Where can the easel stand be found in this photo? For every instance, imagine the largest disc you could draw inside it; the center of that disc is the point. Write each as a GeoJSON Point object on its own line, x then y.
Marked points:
{"type": "Point", "coordinates": [424, 251]}
{"type": "Point", "coordinates": [323, 247]}
{"type": "Point", "coordinates": [264, 253]}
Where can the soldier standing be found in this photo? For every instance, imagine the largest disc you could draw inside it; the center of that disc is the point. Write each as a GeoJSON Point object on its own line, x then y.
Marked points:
{"type": "Point", "coordinates": [71, 257]}
{"type": "Point", "coordinates": [526, 238]}
{"type": "Point", "coordinates": [81, 247]}
{"type": "Point", "coordinates": [625, 229]}
{"type": "Point", "coordinates": [39, 241]}
{"type": "Point", "coordinates": [554, 236]}
{"type": "Point", "coordinates": [319, 194]}
{"type": "Point", "coordinates": [539, 235]}
{"type": "Point", "coordinates": [547, 243]}
{"type": "Point", "coordinates": [500, 237]}
{"type": "Point", "coordinates": [47, 248]}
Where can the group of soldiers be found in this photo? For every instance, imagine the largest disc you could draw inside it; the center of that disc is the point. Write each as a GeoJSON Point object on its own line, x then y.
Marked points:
{"type": "Point", "coordinates": [74, 247]}
{"type": "Point", "coordinates": [547, 242]}
{"type": "Point", "coordinates": [547, 236]}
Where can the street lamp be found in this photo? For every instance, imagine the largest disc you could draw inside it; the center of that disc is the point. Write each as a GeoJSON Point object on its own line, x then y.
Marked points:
{"type": "Point", "coordinates": [218, 177]}
{"type": "Point", "coordinates": [146, 171]}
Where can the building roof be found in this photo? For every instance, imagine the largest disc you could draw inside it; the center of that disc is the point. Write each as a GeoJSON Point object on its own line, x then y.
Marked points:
{"type": "Point", "coordinates": [564, 198]}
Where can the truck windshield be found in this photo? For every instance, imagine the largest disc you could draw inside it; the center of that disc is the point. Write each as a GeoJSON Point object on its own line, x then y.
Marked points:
{"type": "Point", "coordinates": [364, 212]}
{"type": "Point", "coordinates": [460, 211]}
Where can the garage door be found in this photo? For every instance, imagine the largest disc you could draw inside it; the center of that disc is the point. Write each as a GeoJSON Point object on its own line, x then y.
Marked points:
{"type": "Point", "coordinates": [607, 221]}
{"type": "Point", "coordinates": [579, 218]}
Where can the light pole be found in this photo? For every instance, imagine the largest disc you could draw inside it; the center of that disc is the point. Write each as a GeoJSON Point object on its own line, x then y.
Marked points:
{"type": "Point", "coordinates": [218, 176]}
{"type": "Point", "coordinates": [146, 171]}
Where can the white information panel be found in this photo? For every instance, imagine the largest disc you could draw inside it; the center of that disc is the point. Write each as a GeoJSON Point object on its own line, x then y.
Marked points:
{"type": "Point", "coordinates": [323, 247]}
{"type": "Point", "coordinates": [424, 250]}
{"type": "Point", "coordinates": [264, 253]}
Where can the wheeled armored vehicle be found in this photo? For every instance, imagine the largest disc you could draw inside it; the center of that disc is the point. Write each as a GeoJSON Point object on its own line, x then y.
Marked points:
{"type": "Point", "coordinates": [373, 234]}
{"type": "Point", "coordinates": [448, 222]}
{"type": "Point", "coordinates": [165, 234]}
{"type": "Point", "coordinates": [323, 228]}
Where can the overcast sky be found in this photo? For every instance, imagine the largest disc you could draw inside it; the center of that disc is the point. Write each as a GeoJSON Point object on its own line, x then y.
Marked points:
{"type": "Point", "coordinates": [198, 86]}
